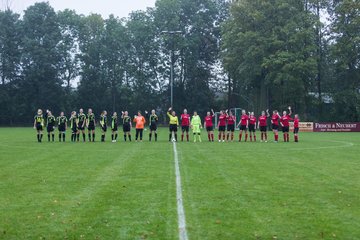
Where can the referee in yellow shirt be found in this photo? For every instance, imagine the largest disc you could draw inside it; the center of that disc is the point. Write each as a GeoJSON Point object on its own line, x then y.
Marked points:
{"type": "Point", "coordinates": [174, 122]}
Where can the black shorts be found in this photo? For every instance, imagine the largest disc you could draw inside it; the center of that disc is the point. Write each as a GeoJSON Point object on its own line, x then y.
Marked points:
{"type": "Point", "coordinates": [251, 128]}
{"type": "Point", "coordinates": [185, 128]}
{"type": "Point", "coordinates": [104, 128]}
{"type": "Point", "coordinates": [263, 128]}
{"type": "Point", "coordinates": [221, 128]}
{"type": "Point", "coordinates": [126, 128]}
{"type": "Point", "coordinates": [285, 129]}
{"type": "Point", "coordinates": [62, 128]}
{"type": "Point", "coordinates": [114, 128]}
{"type": "Point", "coordinates": [296, 130]}
{"type": "Point", "coordinates": [275, 127]}
{"type": "Point", "coordinates": [173, 128]}
{"type": "Point", "coordinates": [231, 128]}
{"type": "Point", "coordinates": [91, 127]}
{"type": "Point", "coordinates": [80, 126]}
{"type": "Point", "coordinates": [153, 127]}
{"type": "Point", "coordinates": [74, 130]}
{"type": "Point", "coordinates": [50, 129]}
{"type": "Point", "coordinates": [243, 127]}
{"type": "Point", "coordinates": [39, 127]}
{"type": "Point", "coordinates": [209, 129]}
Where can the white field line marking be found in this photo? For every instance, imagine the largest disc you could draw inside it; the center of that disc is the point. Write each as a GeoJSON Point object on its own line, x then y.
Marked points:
{"type": "Point", "coordinates": [344, 145]}
{"type": "Point", "coordinates": [180, 206]}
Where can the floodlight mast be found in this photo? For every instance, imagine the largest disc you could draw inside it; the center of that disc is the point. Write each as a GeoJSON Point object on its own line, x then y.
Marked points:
{"type": "Point", "coordinates": [172, 33]}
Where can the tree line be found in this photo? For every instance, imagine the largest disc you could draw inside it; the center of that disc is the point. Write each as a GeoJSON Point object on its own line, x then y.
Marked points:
{"type": "Point", "coordinates": [246, 53]}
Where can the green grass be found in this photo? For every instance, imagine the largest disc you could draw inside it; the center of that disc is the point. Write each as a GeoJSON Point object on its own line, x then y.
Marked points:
{"type": "Point", "coordinates": [309, 190]}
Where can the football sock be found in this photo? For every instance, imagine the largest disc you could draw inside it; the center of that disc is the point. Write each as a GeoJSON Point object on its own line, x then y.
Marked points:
{"type": "Point", "coordinates": [93, 137]}
{"type": "Point", "coordinates": [265, 136]}
{"type": "Point", "coordinates": [150, 137]}
{"type": "Point", "coordinates": [89, 135]}
{"type": "Point", "coordinates": [116, 135]}
{"type": "Point", "coordinates": [246, 137]}
{"type": "Point", "coordinates": [155, 137]}
{"type": "Point", "coordinates": [199, 137]}
{"type": "Point", "coordinates": [209, 137]}
{"type": "Point", "coordinates": [223, 136]}
{"type": "Point", "coordinates": [212, 137]}
{"type": "Point", "coordinates": [125, 137]}
{"type": "Point", "coordinates": [227, 137]}
{"type": "Point", "coordinates": [219, 136]}
{"type": "Point", "coordinates": [240, 136]}
{"type": "Point", "coordinates": [78, 137]}
{"type": "Point", "coordinates": [130, 138]}
{"type": "Point", "coordinates": [38, 137]}
{"type": "Point", "coordinates": [187, 137]}
{"type": "Point", "coordinates": [254, 138]}
{"type": "Point", "coordinates": [175, 136]}
{"type": "Point", "coordinates": [48, 137]}
{"type": "Point", "coordinates": [63, 135]}
{"type": "Point", "coordinates": [169, 137]}
{"type": "Point", "coordinates": [84, 137]}
{"type": "Point", "coordinates": [59, 137]}
{"type": "Point", "coordinates": [250, 138]}
{"type": "Point", "coordinates": [182, 137]}
{"type": "Point", "coordinates": [112, 137]}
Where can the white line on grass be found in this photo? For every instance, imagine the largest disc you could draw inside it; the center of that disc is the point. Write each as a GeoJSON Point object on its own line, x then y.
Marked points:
{"type": "Point", "coordinates": [180, 206]}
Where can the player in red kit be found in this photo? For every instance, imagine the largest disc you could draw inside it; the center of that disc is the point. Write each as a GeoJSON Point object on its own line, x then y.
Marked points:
{"type": "Point", "coordinates": [244, 121]}
{"type": "Point", "coordinates": [262, 124]}
{"type": "Point", "coordinates": [252, 126]}
{"type": "Point", "coordinates": [275, 124]}
{"type": "Point", "coordinates": [230, 126]}
{"type": "Point", "coordinates": [208, 123]}
{"type": "Point", "coordinates": [185, 125]}
{"type": "Point", "coordinates": [222, 126]}
{"type": "Point", "coordinates": [296, 128]}
{"type": "Point", "coordinates": [285, 124]}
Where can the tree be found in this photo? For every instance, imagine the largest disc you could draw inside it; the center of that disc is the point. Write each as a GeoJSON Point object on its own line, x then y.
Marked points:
{"type": "Point", "coordinates": [268, 50]}
{"type": "Point", "coordinates": [345, 53]}
{"type": "Point", "coordinates": [40, 86]}
{"type": "Point", "coordinates": [10, 39]}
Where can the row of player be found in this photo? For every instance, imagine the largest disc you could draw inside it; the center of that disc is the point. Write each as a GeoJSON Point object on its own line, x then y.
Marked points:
{"type": "Point", "coordinates": [226, 125]}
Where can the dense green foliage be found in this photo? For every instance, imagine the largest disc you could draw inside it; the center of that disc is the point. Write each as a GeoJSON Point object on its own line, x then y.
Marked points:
{"type": "Point", "coordinates": [304, 53]}
{"type": "Point", "coordinates": [244, 53]}
{"type": "Point", "coordinates": [127, 190]}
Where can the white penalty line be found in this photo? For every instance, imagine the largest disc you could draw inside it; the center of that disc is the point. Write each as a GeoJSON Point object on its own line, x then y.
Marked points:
{"type": "Point", "coordinates": [180, 207]}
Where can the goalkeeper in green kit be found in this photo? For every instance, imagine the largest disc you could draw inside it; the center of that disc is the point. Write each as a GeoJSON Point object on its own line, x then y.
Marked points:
{"type": "Point", "coordinates": [196, 126]}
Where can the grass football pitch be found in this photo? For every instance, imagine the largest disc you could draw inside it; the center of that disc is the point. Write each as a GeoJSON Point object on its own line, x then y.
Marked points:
{"type": "Point", "coordinates": [308, 190]}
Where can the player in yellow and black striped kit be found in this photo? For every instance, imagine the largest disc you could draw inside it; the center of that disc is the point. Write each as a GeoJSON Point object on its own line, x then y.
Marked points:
{"type": "Point", "coordinates": [153, 120]}
{"type": "Point", "coordinates": [50, 125]}
{"type": "Point", "coordinates": [74, 126]}
{"type": "Point", "coordinates": [114, 127]}
{"type": "Point", "coordinates": [126, 125]}
{"type": "Point", "coordinates": [39, 124]}
{"type": "Point", "coordinates": [62, 126]}
{"type": "Point", "coordinates": [103, 125]}
{"type": "Point", "coordinates": [91, 123]}
{"type": "Point", "coordinates": [81, 124]}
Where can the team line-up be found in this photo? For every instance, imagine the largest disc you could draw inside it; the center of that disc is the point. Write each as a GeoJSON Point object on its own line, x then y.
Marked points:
{"type": "Point", "coordinates": [248, 124]}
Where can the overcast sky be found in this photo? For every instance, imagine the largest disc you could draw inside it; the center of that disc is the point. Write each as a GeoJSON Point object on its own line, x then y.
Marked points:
{"type": "Point", "coordinates": [120, 8]}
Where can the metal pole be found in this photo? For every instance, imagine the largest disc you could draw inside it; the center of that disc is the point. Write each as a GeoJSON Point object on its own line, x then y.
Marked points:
{"type": "Point", "coordinates": [172, 64]}
{"type": "Point", "coordinates": [171, 77]}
